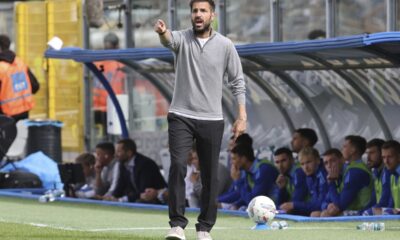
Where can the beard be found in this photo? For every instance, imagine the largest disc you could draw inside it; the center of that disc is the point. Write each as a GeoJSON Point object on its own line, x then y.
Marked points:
{"type": "Point", "coordinates": [206, 27]}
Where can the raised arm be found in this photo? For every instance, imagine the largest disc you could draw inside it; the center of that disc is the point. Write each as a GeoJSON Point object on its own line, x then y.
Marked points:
{"type": "Point", "coordinates": [161, 28]}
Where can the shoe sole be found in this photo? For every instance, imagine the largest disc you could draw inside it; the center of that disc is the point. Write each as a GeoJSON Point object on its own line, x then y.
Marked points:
{"type": "Point", "coordinates": [174, 238]}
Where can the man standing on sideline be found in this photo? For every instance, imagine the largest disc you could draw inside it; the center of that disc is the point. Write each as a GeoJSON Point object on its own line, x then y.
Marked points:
{"type": "Point", "coordinates": [17, 83]}
{"type": "Point", "coordinates": [202, 58]}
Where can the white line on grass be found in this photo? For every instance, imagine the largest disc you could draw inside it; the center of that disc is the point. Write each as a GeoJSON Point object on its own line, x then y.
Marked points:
{"type": "Point", "coordinates": [53, 227]}
{"type": "Point", "coordinates": [43, 225]}
{"type": "Point", "coordinates": [147, 228]}
{"type": "Point", "coordinates": [189, 228]}
{"type": "Point", "coordinates": [321, 228]}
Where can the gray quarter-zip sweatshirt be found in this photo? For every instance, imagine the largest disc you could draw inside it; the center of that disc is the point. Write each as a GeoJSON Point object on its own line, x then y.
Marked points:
{"type": "Point", "coordinates": [199, 74]}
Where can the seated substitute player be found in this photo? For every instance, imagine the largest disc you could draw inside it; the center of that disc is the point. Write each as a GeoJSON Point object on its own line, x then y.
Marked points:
{"type": "Point", "coordinates": [391, 158]}
{"type": "Point", "coordinates": [332, 159]}
{"type": "Point", "coordinates": [193, 179]}
{"type": "Point", "coordinates": [86, 189]}
{"type": "Point", "coordinates": [354, 191]}
{"type": "Point", "coordinates": [107, 169]}
{"type": "Point", "coordinates": [303, 137]}
{"type": "Point", "coordinates": [316, 184]}
{"type": "Point", "coordinates": [232, 194]}
{"type": "Point", "coordinates": [259, 177]}
{"type": "Point", "coordinates": [291, 179]}
{"type": "Point", "coordinates": [380, 174]}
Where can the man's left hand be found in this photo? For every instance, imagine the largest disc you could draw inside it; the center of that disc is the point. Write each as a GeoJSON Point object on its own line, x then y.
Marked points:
{"type": "Point", "coordinates": [239, 127]}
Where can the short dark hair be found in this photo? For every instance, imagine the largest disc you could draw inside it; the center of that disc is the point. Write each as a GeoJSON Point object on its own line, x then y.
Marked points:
{"type": "Point", "coordinates": [86, 159]}
{"type": "Point", "coordinates": [107, 146]}
{"type": "Point", "coordinates": [376, 142]}
{"type": "Point", "coordinates": [317, 33]}
{"type": "Point", "coordinates": [333, 151]}
{"type": "Point", "coordinates": [284, 150]}
{"type": "Point", "coordinates": [128, 144]}
{"type": "Point", "coordinates": [358, 142]}
{"type": "Point", "coordinates": [244, 150]}
{"type": "Point", "coordinates": [308, 134]}
{"type": "Point", "coordinates": [5, 42]}
{"type": "Point", "coordinates": [392, 144]}
{"type": "Point", "coordinates": [211, 2]}
{"type": "Point", "coordinates": [244, 138]}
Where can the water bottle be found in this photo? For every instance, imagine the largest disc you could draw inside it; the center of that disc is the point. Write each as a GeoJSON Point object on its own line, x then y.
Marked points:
{"type": "Point", "coordinates": [278, 225]}
{"type": "Point", "coordinates": [378, 226]}
{"type": "Point", "coordinates": [275, 225]}
{"type": "Point", "coordinates": [284, 225]}
{"type": "Point", "coordinates": [363, 226]}
{"type": "Point", "coordinates": [51, 195]}
{"type": "Point", "coordinates": [372, 226]}
{"type": "Point", "coordinates": [58, 193]}
{"type": "Point", "coordinates": [44, 198]}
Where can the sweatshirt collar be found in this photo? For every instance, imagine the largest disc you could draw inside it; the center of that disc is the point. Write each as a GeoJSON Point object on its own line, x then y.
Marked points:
{"type": "Point", "coordinates": [212, 34]}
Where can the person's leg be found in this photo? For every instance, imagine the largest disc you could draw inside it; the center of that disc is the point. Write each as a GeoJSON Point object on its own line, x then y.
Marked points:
{"type": "Point", "coordinates": [8, 128]}
{"type": "Point", "coordinates": [180, 134]}
{"type": "Point", "coordinates": [208, 140]}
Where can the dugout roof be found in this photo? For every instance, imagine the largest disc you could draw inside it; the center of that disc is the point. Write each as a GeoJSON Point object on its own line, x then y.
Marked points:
{"type": "Point", "coordinates": [339, 86]}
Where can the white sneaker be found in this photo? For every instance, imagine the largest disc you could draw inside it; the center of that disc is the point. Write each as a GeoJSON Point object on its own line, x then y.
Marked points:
{"type": "Point", "coordinates": [176, 233]}
{"type": "Point", "coordinates": [201, 235]}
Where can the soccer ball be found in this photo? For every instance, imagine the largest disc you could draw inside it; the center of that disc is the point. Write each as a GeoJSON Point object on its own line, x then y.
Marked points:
{"type": "Point", "coordinates": [261, 209]}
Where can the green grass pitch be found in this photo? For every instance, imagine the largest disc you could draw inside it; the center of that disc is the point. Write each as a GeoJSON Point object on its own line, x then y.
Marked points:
{"type": "Point", "coordinates": [29, 219]}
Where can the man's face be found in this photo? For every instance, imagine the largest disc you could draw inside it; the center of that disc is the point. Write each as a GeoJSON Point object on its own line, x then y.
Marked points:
{"type": "Point", "coordinates": [202, 16]}
{"type": "Point", "coordinates": [374, 157]}
{"type": "Point", "coordinates": [347, 150]}
{"type": "Point", "coordinates": [390, 159]}
{"type": "Point", "coordinates": [101, 156]}
{"type": "Point", "coordinates": [297, 142]}
{"type": "Point", "coordinates": [283, 163]}
{"type": "Point", "coordinates": [237, 160]}
{"type": "Point", "coordinates": [331, 161]}
{"type": "Point", "coordinates": [309, 164]}
{"type": "Point", "coordinates": [121, 154]}
{"type": "Point", "coordinates": [87, 170]}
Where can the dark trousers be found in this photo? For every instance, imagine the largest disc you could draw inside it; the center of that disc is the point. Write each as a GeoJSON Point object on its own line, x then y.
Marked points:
{"type": "Point", "coordinates": [208, 135]}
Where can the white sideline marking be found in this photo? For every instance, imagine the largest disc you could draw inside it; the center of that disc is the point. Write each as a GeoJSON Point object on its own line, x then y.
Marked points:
{"type": "Point", "coordinates": [322, 228]}
{"type": "Point", "coordinates": [147, 228]}
{"type": "Point", "coordinates": [43, 225]}
{"type": "Point", "coordinates": [53, 227]}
